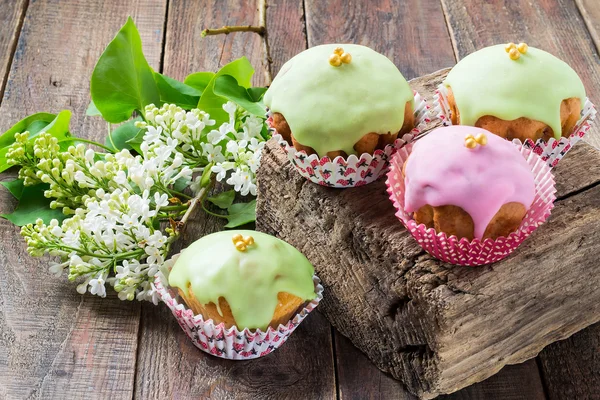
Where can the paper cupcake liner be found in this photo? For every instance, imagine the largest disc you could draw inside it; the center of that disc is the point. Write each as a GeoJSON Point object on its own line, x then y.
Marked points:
{"type": "Point", "coordinates": [552, 151]}
{"type": "Point", "coordinates": [475, 252]}
{"type": "Point", "coordinates": [231, 343]}
{"type": "Point", "coordinates": [354, 170]}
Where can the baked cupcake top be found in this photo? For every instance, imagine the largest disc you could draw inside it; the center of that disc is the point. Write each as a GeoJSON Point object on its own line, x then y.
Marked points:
{"type": "Point", "coordinates": [453, 166]}
{"type": "Point", "coordinates": [249, 275]}
{"type": "Point", "coordinates": [530, 84]}
{"type": "Point", "coordinates": [330, 107]}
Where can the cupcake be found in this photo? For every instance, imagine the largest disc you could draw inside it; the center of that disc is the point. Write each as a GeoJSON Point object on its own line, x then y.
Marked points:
{"type": "Point", "coordinates": [243, 279]}
{"type": "Point", "coordinates": [467, 182]}
{"type": "Point", "coordinates": [340, 99]}
{"type": "Point", "coordinates": [515, 92]}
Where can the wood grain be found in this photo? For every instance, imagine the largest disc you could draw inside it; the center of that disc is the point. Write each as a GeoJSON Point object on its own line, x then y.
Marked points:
{"type": "Point", "coordinates": [570, 30]}
{"type": "Point", "coordinates": [571, 368]}
{"type": "Point", "coordinates": [55, 343]}
{"type": "Point", "coordinates": [411, 33]}
{"type": "Point", "coordinates": [438, 328]}
{"type": "Point", "coordinates": [186, 51]}
{"type": "Point", "coordinates": [11, 19]}
{"type": "Point", "coordinates": [287, 31]}
{"type": "Point", "coordinates": [169, 366]}
{"type": "Point", "coordinates": [590, 11]}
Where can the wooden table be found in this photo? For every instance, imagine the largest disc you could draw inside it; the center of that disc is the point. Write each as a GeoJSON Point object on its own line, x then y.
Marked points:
{"type": "Point", "coordinates": [55, 343]}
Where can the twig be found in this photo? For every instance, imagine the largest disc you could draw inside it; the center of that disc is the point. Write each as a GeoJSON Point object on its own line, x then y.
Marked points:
{"type": "Point", "coordinates": [261, 29]}
{"type": "Point", "coordinates": [235, 28]}
{"type": "Point", "coordinates": [193, 203]}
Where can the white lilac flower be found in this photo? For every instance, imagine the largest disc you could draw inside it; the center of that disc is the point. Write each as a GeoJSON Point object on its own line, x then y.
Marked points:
{"type": "Point", "coordinates": [116, 200]}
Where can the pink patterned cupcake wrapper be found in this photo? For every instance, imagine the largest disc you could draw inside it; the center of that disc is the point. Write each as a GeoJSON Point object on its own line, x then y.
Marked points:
{"type": "Point", "coordinates": [231, 343]}
{"type": "Point", "coordinates": [475, 252]}
{"type": "Point", "coordinates": [354, 170]}
{"type": "Point", "coordinates": [552, 151]}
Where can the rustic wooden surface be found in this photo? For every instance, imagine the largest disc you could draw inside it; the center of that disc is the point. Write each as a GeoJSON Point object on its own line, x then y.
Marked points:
{"type": "Point", "coordinates": [57, 344]}
{"type": "Point", "coordinates": [439, 328]}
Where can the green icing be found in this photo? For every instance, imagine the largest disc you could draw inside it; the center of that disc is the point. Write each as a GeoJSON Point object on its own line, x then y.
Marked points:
{"type": "Point", "coordinates": [330, 108]}
{"type": "Point", "coordinates": [249, 280]}
{"type": "Point", "coordinates": [488, 82]}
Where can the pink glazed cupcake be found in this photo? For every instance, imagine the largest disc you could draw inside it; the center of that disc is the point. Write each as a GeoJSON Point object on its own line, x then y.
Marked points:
{"type": "Point", "coordinates": [468, 196]}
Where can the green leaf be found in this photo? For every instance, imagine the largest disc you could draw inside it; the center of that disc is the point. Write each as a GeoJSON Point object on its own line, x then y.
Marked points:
{"type": "Point", "coordinates": [174, 92]}
{"type": "Point", "coordinates": [120, 138]}
{"type": "Point", "coordinates": [15, 187]}
{"type": "Point", "coordinates": [199, 80]}
{"type": "Point", "coordinates": [33, 123]}
{"type": "Point", "coordinates": [92, 110]}
{"type": "Point", "coordinates": [181, 184]}
{"type": "Point", "coordinates": [57, 127]}
{"type": "Point", "coordinates": [210, 102]}
{"type": "Point", "coordinates": [34, 205]}
{"type": "Point", "coordinates": [223, 200]}
{"type": "Point", "coordinates": [257, 93]}
{"type": "Point", "coordinates": [241, 214]}
{"type": "Point", "coordinates": [226, 86]}
{"type": "Point", "coordinates": [136, 141]}
{"type": "Point", "coordinates": [122, 81]}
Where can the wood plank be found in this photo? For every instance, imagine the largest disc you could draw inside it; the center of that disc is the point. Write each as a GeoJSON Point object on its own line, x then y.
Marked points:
{"type": "Point", "coordinates": [590, 11]}
{"type": "Point", "coordinates": [439, 328]}
{"type": "Point", "coordinates": [55, 343]}
{"type": "Point", "coordinates": [186, 51]}
{"type": "Point", "coordinates": [560, 28]}
{"type": "Point", "coordinates": [169, 366]}
{"type": "Point", "coordinates": [410, 33]}
{"type": "Point", "coordinates": [11, 20]}
{"type": "Point", "coordinates": [359, 379]}
{"type": "Point", "coordinates": [513, 382]}
{"type": "Point", "coordinates": [286, 31]}
{"type": "Point", "coordinates": [571, 368]}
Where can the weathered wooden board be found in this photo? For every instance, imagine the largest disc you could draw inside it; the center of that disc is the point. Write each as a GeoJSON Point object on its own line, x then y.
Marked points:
{"type": "Point", "coordinates": [169, 366]}
{"type": "Point", "coordinates": [568, 29]}
{"type": "Point", "coordinates": [590, 12]}
{"type": "Point", "coordinates": [572, 367]}
{"type": "Point", "coordinates": [11, 19]}
{"type": "Point", "coordinates": [437, 327]}
{"type": "Point", "coordinates": [55, 343]}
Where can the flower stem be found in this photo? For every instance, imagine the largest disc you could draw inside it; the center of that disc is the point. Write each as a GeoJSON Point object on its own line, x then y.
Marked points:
{"type": "Point", "coordinates": [212, 213]}
{"type": "Point", "coordinates": [76, 139]}
{"type": "Point", "coordinates": [110, 135]}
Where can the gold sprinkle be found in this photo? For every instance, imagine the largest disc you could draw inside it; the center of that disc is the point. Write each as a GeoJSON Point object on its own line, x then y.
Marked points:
{"type": "Point", "coordinates": [522, 47]}
{"type": "Point", "coordinates": [249, 240]}
{"type": "Point", "coordinates": [509, 47]}
{"type": "Point", "coordinates": [346, 58]}
{"type": "Point", "coordinates": [481, 139]}
{"type": "Point", "coordinates": [237, 238]}
{"type": "Point", "coordinates": [514, 54]}
{"type": "Point", "coordinates": [241, 246]}
{"type": "Point", "coordinates": [339, 51]}
{"type": "Point", "coordinates": [335, 60]}
{"type": "Point", "coordinates": [470, 143]}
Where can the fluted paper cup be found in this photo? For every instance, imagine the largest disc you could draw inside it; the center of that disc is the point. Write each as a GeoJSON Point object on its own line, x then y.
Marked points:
{"type": "Point", "coordinates": [551, 151]}
{"type": "Point", "coordinates": [474, 252]}
{"type": "Point", "coordinates": [230, 343]}
{"type": "Point", "coordinates": [353, 170]}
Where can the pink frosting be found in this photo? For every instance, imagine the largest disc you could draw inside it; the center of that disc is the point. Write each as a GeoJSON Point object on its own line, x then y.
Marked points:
{"type": "Point", "coordinates": [441, 170]}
